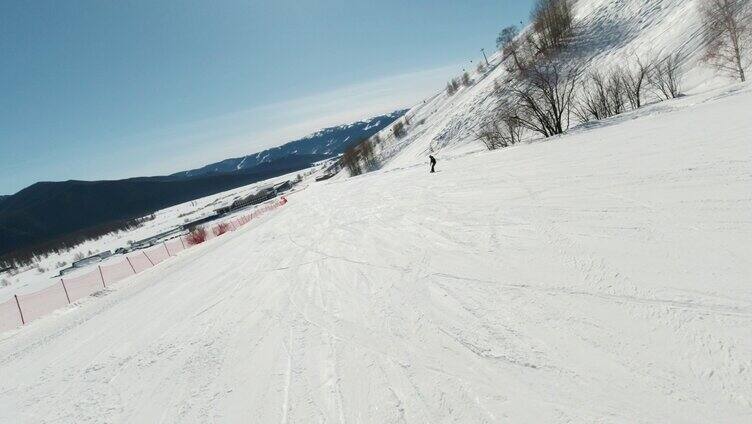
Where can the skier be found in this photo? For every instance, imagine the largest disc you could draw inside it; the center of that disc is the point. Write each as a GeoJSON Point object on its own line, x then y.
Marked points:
{"type": "Point", "coordinates": [433, 162]}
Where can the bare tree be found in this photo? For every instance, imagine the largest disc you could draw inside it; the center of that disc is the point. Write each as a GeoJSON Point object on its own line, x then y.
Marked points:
{"type": "Point", "coordinates": [511, 47]}
{"type": "Point", "coordinates": [552, 25]}
{"type": "Point", "coordinates": [511, 125]}
{"type": "Point", "coordinates": [582, 109]}
{"type": "Point", "coordinates": [587, 107]}
{"type": "Point", "coordinates": [368, 155]}
{"type": "Point", "coordinates": [544, 96]}
{"type": "Point", "coordinates": [667, 75]}
{"type": "Point", "coordinates": [514, 128]}
{"type": "Point", "coordinates": [490, 134]}
{"type": "Point", "coordinates": [635, 78]}
{"type": "Point", "coordinates": [452, 86]}
{"type": "Point", "coordinates": [516, 51]}
{"type": "Point", "coordinates": [602, 96]}
{"type": "Point", "coordinates": [501, 130]}
{"type": "Point", "coordinates": [450, 89]}
{"type": "Point", "coordinates": [728, 32]}
{"type": "Point", "coordinates": [399, 129]}
{"type": "Point", "coordinates": [351, 160]}
{"type": "Point", "coordinates": [595, 96]}
{"type": "Point", "coordinates": [615, 90]}
{"type": "Point", "coordinates": [506, 37]}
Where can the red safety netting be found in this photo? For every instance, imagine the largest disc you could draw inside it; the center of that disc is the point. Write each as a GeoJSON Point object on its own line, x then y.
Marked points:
{"type": "Point", "coordinates": [35, 305]}
{"type": "Point", "coordinates": [44, 301]}
{"type": "Point", "coordinates": [139, 262]}
{"type": "Point", "coordinates": [9, 316]}
{"type": "Point", "coordinates": [157, 254]}
{"type": "Point", "coordinates": [116, 272]}
{"type": "Point", "coordinates": [82, 286]}
{"type": "Point", "coordinates": [174, 246]}
{"type": "Point", "coordinates": [222, 228]}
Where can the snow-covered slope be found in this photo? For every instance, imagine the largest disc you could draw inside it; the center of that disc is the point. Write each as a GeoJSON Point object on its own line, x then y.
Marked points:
{"type": "Point", "coordinates": [46, 270]}
{"type": "Point", "coordinates": [611, 33]}
{"type": "Point", "coordinates": [601, 277]}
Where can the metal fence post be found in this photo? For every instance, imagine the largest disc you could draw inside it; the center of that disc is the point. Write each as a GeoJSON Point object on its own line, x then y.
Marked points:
{"type": "Point", "coordinates": [20, 312]}
{"type": "Point", "coordinates": [65, 289]}
{"type": "Point", "coordinates": [147, 257]}
{"type": "Point", "coordinates": [101, 276]}
{"type": "Point", "coordinates": [129, 263]}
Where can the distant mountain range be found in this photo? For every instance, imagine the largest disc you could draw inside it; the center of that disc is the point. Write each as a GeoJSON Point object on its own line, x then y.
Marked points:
{"type": "Point", "coordinates": [47, 211]}
{"type": "Point", "coordinates": [50, 211]}
{"type": "Point", "coordinates": [328, 142]}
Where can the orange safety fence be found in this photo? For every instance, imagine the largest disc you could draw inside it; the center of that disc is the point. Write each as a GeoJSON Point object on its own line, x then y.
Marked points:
{"type": "Point", "coordinates": [83, 285]}
{"type": "Point", "coordinates": [10, 315]}
{"type": "Point", "coordinates": [37, 304]}
{"type": "Point", "coordinates": [22, 309]}
{"type": "Point", "coordinates": [175, 246]}
{"type": "Point", "coordinates": [140, 262]}
{"type": "Point", "coordinates": [116, 272]}
{"type": "Point", "coordinates": [157, 254]}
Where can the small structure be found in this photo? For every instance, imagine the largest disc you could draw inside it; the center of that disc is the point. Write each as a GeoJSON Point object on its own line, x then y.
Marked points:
{"type": "Point", "coordinates": [91, 259]}
{"type": "Point", "coordinates": [151, 241]}
{"type": "Point", "coordinates": [283, 187]}
{"type": "Point", "coordinates": [190, 226]}
{"type": "Point", "coordinates": [82, 263]}
{"type": "Point", "coordinates": [260, 196]}
{"type": "Point", "coordinates": [333, 168]}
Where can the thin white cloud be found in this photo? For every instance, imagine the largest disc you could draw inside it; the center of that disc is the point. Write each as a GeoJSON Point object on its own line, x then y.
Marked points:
{"type": "Point", "coordinates": [255, 129]}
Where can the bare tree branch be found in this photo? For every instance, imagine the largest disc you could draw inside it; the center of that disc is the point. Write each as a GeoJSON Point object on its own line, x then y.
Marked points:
{"type": "Point", "coordinates": [666, 76]}
{"type": "Point", "coordinates": [544, 96]}
{"type": "Point", "coordinates": [635, 78]}
{"type": "Point", "coordinates": [728, 32]}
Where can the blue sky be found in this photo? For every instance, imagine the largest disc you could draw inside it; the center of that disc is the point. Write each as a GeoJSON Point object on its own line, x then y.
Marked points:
{"type": "Point", "coordinates": [112, 89]}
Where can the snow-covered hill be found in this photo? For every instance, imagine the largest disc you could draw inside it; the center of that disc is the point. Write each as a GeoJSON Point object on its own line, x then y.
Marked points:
{"type": "Point", "coordinates": [600, 276]}
{"type": "Point", "coordinates": [603, 277]}
{"type": "Point", "coordinates": [611, 33]}
{"type": "Point", "coordinates": [327, 142]}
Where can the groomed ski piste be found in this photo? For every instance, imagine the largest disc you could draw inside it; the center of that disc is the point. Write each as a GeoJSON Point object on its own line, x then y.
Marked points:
{"type": "Point", "coordinates": [603, 276]}
{"type": "Point", "coordinates": [600, 277]}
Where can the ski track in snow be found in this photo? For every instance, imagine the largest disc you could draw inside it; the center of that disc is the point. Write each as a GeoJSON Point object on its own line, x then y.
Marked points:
{"type": "Point", "coordinates": [599, 277]}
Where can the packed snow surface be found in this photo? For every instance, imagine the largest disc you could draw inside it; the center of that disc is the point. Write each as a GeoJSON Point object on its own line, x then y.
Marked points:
{"type": "Point", "coordinates": [603, 276]}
